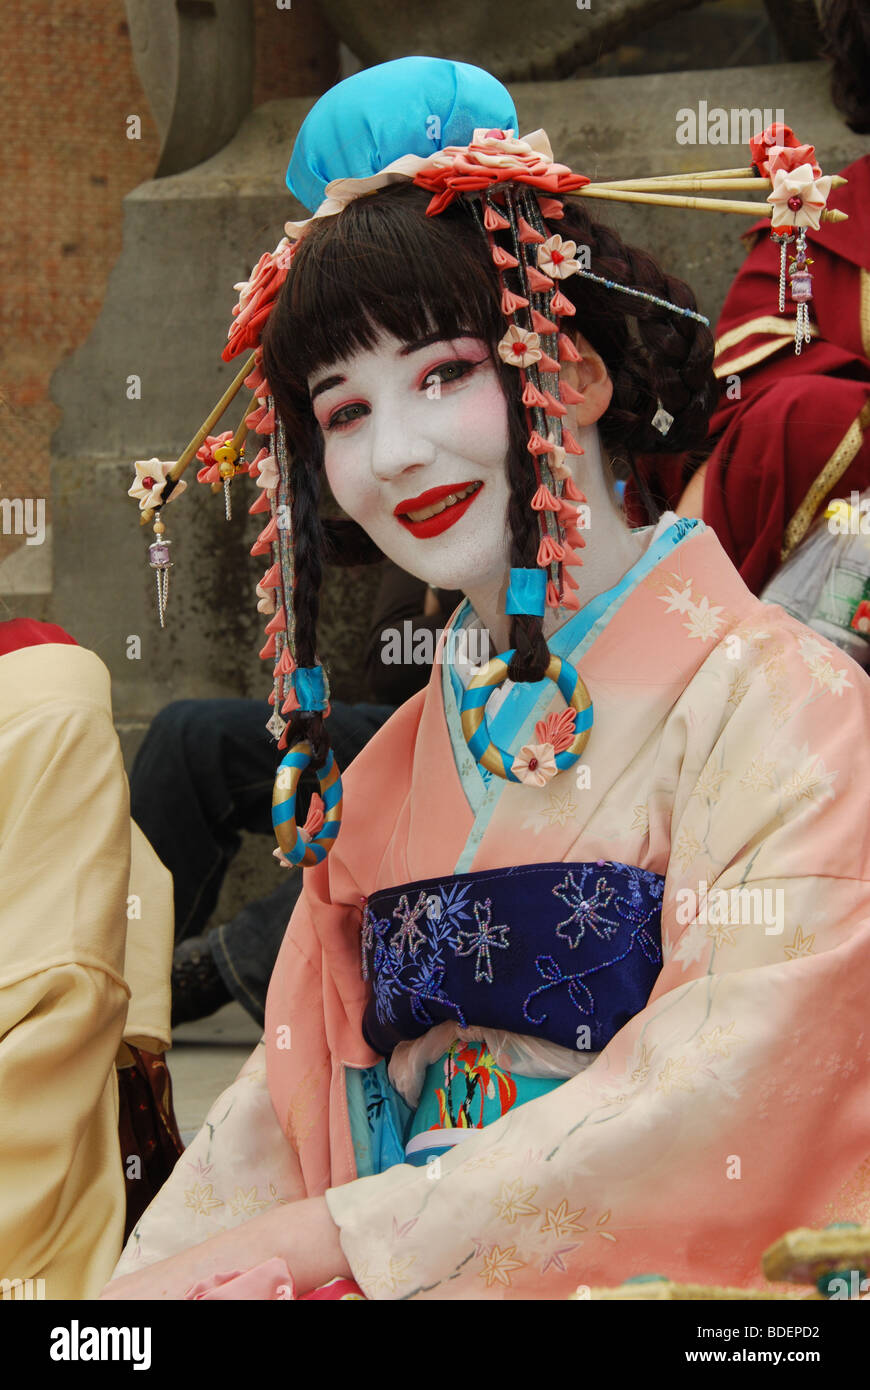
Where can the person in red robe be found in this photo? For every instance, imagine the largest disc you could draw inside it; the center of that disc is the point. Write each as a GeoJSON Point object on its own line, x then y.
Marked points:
{"type": "Point", "coordinates": [790, 432]}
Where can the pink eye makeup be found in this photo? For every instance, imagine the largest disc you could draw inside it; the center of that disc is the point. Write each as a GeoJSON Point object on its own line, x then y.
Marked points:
{"type": "Point", "coordinates": [450, 370]}
{"type": "Point", "coordinates": [343, 417]}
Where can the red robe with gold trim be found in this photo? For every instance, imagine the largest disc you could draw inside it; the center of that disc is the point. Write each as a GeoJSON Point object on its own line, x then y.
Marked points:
{"type": "Point", "coordinates": [797, 432]}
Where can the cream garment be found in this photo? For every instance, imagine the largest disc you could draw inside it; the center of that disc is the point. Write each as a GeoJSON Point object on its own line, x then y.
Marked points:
{"type": "Point", "coordinates": [69, 958]}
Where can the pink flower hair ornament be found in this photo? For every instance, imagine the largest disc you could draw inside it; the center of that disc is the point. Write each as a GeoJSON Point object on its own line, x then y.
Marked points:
{"type": "Point", "coordinates": [799, 197]}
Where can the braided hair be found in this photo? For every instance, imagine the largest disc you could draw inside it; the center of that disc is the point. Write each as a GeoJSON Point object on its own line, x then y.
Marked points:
{"type": "Point", "coordinates": [383, 266]}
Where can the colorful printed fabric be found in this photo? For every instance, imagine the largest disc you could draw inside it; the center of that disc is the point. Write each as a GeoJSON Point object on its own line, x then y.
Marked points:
{"type": "Point", "coordinates": [469, 1088]}
{"type": "Point", "coordinates": [543, 949]}
{"type": "Point", "coordinates": [379, 1119]}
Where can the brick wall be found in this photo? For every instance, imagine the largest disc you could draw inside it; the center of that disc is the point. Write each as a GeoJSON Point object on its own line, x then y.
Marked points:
{"type": "Point", "coordinates": [69, 84]}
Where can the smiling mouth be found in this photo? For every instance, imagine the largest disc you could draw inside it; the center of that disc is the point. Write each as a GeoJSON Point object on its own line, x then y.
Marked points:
{"type": "Point", "coordinates": [443, 512]}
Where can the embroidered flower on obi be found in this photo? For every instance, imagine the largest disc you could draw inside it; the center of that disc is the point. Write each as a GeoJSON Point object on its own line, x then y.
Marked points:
{"type": "Point", "coordinates": [151, 477]}
{"type": "Point", "coordinates": [585, 911]}
{"type": "Point", "coordinates": [409, 934]}
{"type": "Point", "coordinates": [373, 932]}
{"type": "Point", "coordinates": [519, 347]}
{"type": "Point", "coordinates": [799, 197]}
{"type": "Point", "coordinates": [535, 764]}
{"type": "Point", "coordinates": [482, 940]}
{"type": "Point", "coordinates": [556, 258]}
{"type": "Point", "coordinates": [557, 729]}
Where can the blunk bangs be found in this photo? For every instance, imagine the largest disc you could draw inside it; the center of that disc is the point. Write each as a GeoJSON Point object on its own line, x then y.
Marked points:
{"type": "Point", "coordinates": [380, 266]}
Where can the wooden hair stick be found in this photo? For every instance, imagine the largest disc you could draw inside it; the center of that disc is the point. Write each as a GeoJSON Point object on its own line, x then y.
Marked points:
{"type": "Point", "coordinates": [209, 423]}
{"type": "Point", "coordinates": [682, 201]}
{"type": "Point", "coordinates": [679, 177]}
{"type": "Point", "coordinates": [703, 184]}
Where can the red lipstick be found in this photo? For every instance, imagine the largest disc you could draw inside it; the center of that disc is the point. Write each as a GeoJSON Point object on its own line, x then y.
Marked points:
{"type": "Point", "coordinates": [435, 525]}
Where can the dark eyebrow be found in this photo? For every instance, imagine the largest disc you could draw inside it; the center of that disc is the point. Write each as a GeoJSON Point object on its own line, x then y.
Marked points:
{"type": "Point", "coordinates": [326, 385]}
{"type": "Point", "coordinates": [431, 338]}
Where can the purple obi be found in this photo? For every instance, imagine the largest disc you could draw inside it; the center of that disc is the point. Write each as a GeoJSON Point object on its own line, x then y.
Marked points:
{"type": "Point", "coordinates": [541, 949]}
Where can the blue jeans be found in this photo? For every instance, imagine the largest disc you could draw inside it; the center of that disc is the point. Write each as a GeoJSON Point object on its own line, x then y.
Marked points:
{"type": "Point", "coordinates": [204, 773]}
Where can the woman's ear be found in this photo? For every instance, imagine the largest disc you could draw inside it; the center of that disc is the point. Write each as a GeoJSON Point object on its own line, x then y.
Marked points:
{"type": "Point", "coordinates": [590, 377]}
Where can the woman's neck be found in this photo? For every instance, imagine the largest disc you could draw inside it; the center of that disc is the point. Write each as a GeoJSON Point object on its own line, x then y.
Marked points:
{"type": "Point", "coordinates": [611, 549]}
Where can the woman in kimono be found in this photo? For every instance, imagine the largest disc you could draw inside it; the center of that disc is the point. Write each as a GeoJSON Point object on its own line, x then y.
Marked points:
{"type": "Point", "coordinates": [537, 1022]}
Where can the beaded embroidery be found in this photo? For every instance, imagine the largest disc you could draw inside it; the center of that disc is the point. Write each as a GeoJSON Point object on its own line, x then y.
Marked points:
{"type": "Point", "coordinates": [431, 947]}
{"type": "Point", "coordinates": [482, 941]}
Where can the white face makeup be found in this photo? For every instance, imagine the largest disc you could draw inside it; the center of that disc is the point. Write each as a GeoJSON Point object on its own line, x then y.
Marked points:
{"type": "Point", "coordinates": [415, 449]}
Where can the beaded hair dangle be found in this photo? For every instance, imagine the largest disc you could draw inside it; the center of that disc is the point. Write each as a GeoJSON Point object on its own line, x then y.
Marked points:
{"type": "Point", "coordinates": [798, 199]}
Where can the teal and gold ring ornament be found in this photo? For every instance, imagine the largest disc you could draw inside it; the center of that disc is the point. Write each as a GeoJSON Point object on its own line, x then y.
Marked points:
{"type": "Point", "coordinates": [475, 727]}
{"type": "Point", "coordinates": [291, 843]}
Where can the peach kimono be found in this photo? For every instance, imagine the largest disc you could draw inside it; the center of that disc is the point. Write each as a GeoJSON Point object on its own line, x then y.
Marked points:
{"type": "Point", "coordinates": [729, 750]}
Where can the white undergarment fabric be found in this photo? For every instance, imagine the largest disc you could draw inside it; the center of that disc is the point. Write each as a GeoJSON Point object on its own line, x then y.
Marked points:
{"type": "Point", "coordinates": [524, 1056]}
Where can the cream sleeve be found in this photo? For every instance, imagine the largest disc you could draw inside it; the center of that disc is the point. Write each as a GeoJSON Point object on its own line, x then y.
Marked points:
{"type": "Point", "coordinates": [64, 871]}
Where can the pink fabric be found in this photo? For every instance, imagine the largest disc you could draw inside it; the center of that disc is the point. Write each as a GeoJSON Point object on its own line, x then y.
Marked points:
{"type": "Point", "coordinates": [336, 1290]}
{"type": "Point", "coordinates": [268, 1281]}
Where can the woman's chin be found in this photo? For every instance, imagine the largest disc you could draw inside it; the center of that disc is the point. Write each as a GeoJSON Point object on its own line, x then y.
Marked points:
{"type": "Point", "coordinates": [463, 572]}
{"type": "Point", "coordinates": [467, 579]}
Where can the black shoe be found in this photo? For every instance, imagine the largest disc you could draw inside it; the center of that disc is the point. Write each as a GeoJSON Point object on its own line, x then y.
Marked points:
{"type": "Point", "coordinates": [197, 987]}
